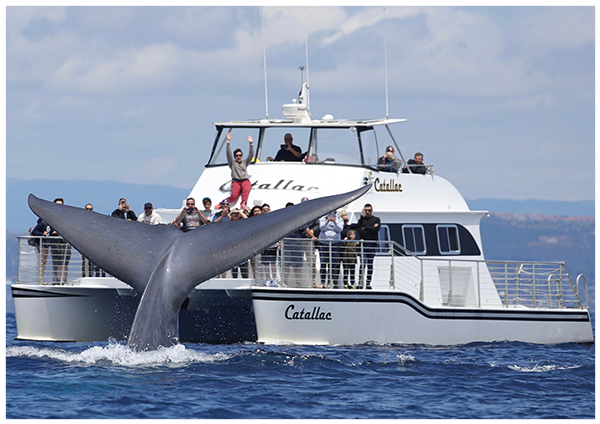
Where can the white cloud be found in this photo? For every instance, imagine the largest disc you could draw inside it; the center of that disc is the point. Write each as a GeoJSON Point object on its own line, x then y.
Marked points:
{"type": "Point", "coordinates": [88, 72]}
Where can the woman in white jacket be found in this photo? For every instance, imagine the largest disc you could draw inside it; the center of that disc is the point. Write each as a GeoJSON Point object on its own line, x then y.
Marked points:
{"type": "Point", "coordinates": [331, 227]}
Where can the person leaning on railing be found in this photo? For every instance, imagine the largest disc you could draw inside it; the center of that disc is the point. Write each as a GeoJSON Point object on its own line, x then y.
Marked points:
{"type": "Point", "coordinates": [415, 165]}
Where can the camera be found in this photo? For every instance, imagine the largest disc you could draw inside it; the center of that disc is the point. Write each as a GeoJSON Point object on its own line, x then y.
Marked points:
{"type": "Point", "coordinates": [190, 209]}
{"type": "Point", "coordinates": [283, 146]}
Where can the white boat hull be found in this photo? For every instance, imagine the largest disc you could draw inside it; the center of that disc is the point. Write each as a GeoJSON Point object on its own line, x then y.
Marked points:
{"type": "Point", "coordinates": [347, 317]}
{"type": "Point", "coordinates": [96, 313]}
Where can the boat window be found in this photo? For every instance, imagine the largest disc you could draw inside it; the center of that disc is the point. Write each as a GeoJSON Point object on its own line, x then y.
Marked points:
{"type": "Point", "coordinates": [414, 239]}
{"type": "Point", "coordinates": [384, 235]}
{"type": "Point", "coordinates": [448, 239]}
{"type": "Point", "coordinates": [274, 138]}
{"type": "Point", "coordinates": [339, 146]}
{"type": "Point", "coordinates": [371, 150]}
{"type": "Point", "coordinates": [239, 141]}
{"type": "Point", "coordinates": [269, 146]}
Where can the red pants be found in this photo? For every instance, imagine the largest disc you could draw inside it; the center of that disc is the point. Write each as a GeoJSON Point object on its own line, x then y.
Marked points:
{"type": "Point", "coordinates": [243, 186]}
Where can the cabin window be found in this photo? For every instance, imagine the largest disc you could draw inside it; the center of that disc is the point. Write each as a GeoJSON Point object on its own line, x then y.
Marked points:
{"type": "Point", "coordinates": [384, 235]}
{"type": "Point", "coordinates": [448, 241]}
{"type": "Point", "coordinates": [414, 239]}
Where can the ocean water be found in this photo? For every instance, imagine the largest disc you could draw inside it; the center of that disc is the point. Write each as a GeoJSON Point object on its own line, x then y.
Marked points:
{"type": "Point", "coordinates": [239, 381]}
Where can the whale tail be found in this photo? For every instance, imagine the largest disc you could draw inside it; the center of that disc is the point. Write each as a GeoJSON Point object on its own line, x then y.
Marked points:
{"type": "Point", "coordinates": [164, 264]}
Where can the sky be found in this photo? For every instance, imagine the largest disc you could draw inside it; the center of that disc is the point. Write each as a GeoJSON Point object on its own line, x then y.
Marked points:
{"type": "Point", "coordinates": [499, 99]}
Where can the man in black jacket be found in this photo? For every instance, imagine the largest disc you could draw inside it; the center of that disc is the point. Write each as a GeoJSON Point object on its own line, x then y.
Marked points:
{"type": "Point", "coordinates": [368, 230]}
{"type": "Point", "coordinates": [123, 211]}
{"type": "Point", "coordinates": [415, 165]}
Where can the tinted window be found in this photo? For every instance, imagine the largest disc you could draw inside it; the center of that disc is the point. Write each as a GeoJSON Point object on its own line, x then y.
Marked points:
{"type": "Point", "coordinates": [414, 239]}
{"type": "Point", "coordinates": [448, 239]}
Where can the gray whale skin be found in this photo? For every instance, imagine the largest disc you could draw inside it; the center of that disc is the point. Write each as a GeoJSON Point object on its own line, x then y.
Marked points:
{"type": "Point", "coordinates": [163, 264]}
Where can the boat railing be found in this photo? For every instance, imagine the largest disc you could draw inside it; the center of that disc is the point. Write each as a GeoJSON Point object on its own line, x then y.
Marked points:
{"type": "Point", "coordinates": [50, 260]}
{"type": "Point", "coordinates": [302, 263]}
{"type": "Point", "coordinates": [358, 265]}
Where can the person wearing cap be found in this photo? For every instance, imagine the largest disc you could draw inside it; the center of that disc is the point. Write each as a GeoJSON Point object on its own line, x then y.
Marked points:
{"type": "Point", "coordinates": [149, 216]}
{"type": "Point", "coordinates": [223, 214]}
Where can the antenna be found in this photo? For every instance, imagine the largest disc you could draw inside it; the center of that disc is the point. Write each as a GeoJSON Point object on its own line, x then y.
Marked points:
{"type": "Point", "coordinates": [306, 49]}
{"type": "Point", "coordinates": [265, 62]}
{"type": "Point", "coordinates": [386, 64]}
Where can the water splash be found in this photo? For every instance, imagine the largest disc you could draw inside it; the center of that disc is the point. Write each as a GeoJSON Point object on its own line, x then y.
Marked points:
{"type": "Point", "coordinates": [119, 354]}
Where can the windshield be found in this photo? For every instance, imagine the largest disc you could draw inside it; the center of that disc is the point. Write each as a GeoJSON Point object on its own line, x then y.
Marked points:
{"type": "Point", "coordinates": [317, 145]}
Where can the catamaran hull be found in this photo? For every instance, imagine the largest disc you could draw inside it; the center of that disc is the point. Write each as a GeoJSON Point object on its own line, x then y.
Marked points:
{"type": "Point", "coordinates": [352, 317]}
{"type": "Point", "coordinates": [87, 314]}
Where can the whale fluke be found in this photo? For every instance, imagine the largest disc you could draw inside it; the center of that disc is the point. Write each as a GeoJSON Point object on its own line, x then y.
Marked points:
{"type": "Point", "coordinates": [164, 264]}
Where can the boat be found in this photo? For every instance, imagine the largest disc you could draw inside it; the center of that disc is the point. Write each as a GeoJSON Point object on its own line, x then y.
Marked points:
{"type": "Point", "coordinates": [431, 283]}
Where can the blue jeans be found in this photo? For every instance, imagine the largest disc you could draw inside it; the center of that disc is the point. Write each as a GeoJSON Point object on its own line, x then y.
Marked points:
{"type": "Point", "coordinates": [329, 258]}
{"type": "Point", "coordinates": [368, 254]}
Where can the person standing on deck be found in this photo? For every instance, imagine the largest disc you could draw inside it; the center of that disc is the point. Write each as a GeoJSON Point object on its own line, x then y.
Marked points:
{"type": "Point", "coordinates": [368, 230]}
{"type": "Point", "coordinates": [240, 183]}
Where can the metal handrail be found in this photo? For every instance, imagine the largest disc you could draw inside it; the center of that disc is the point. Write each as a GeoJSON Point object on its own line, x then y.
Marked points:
{"type": "Point", "coordinates": [296, 263]}
{"type": "Point", "coordinates": [586, 292]}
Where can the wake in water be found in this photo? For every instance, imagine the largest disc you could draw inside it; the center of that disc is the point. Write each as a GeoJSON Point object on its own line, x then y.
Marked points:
{"type": "Point", "coordinates": [116, 353]}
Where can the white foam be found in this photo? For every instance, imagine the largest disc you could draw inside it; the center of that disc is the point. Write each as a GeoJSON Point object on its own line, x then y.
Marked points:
{"type": "Point", "coordinates": [119, 354]}
{"type": "Point", "coordinates": [403, 358]}
{"type": "Point", "coordinates": [542, 368]}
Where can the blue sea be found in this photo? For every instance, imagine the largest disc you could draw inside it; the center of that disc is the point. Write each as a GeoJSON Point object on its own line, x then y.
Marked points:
{"type": "Point", "coordinates": [241, 381]}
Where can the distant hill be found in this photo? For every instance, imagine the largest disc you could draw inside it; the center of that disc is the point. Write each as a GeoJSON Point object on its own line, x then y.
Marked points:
{"type": "Point", "coordinates": [532, 207]}
{"type": "Point", "coordinates": [104, 195]}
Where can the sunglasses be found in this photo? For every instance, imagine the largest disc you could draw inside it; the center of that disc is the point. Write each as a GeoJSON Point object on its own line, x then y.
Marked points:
{"type": "Point", "coordinates": [147, 209]}
{"type": "Point", "coordinates": [238, 154]}
{"type": "Point", "coordinates": [190, 204]}
{"type": "Point", "coordinates": [288, 139]}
